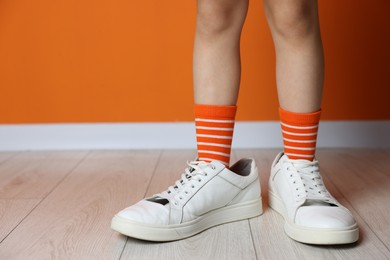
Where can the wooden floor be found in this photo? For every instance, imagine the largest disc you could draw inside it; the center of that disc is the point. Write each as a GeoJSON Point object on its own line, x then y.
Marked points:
{"type": "Point", "coordinates": [59, 204]}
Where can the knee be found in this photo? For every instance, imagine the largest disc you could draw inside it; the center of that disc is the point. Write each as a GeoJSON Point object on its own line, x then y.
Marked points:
{"type": "Point", "coordinates": [216, 16]}
{"type": "Point", "coordinates": [292, 18]}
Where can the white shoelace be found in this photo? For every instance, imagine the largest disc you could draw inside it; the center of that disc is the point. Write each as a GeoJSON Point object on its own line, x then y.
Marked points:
{"type": "Point", "coordinates": [307, 174]}
{"type": "Point", "coordinates": [194, 172]}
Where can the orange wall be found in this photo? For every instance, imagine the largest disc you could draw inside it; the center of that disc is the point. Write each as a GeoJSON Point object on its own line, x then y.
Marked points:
{"type": "Point", "coordinates": [130, 61]}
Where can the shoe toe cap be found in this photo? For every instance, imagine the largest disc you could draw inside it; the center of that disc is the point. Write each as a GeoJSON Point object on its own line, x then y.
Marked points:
{"type": "Point", "coordinates": [324, 217]}
{"type": "Point", "coordinates": [146, 212]}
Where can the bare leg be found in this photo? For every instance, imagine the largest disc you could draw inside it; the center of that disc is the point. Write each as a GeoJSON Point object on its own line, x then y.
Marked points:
{"type": "Point", "coordinates": [299, 54]}
{"type": "Point", "coordinates": [216, 62]}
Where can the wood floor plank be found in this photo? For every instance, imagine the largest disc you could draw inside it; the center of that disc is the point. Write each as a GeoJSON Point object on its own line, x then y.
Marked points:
{"type": "Point", "coordinates": [230, 241]}
{"type": "Point", "coordinates": [364, 185]}
{"type": "Point", "coordinates": [376, 158]}
{"type": "Point", "coordinates": [12, 212]}
{"type": "Point", "coordinates": [7, 155]}
{"type": "Point", "coordinates": [32, 175]}
{"type": "Point", "coordinates": [73, 222]}
{"type": "Point", "coordinates": [272, 243]}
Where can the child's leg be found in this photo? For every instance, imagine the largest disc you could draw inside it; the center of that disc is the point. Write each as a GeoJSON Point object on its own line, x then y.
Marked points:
{"type": "Point", "coordinates": [296, 189]}
{"type": "Point", "coordinates": [236, 194]}
{"type": "Point", "coordinates": [216, 71]}
{"type": "Point", "coordinates": [299, 70]}
{"type": "Point", "coordinates": [216, 63]}
{"type": "Point", "coordinates": [299, 54]}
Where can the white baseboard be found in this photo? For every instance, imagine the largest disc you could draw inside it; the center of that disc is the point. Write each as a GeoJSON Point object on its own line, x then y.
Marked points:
{"type": "Point", "coordinates": [181, 135]}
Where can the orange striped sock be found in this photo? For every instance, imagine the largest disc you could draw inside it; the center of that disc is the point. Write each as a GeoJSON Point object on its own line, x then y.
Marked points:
{"type": "Point", "coordinates": [299, 133]}
{"type": "Point", "coordinates": [214, 132]}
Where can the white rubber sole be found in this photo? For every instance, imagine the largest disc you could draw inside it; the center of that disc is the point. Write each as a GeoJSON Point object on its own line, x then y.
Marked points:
{"type": "Point", "coordinates": [308, 235]}
{"type": "Point", "coordinates": [213, 218]}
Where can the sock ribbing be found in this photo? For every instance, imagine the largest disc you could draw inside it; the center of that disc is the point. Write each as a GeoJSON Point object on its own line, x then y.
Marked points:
{"type": "Point", "coordinates": [214, 131]}
{"type": "Point", "coordinates": [299, 132]}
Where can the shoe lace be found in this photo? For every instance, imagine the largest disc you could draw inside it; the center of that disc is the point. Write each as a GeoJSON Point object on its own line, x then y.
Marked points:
{"type": "Point", "coordinates": [194, 172]}
{"type": "Point", "coordinates": [308, 181]}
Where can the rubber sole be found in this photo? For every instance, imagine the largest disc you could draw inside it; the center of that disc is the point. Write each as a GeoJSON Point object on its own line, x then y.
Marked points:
{"type": "Point", "coordinates": [308, 235]}
{"type": "Point", "coordinates": [213, 218]}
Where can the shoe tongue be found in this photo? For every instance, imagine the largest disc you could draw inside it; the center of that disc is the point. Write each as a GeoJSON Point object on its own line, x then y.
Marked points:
{"type": "Point", "coordinates": [218, 164]}
{"type": "Point", "coordinates": [301, 164]}
{"type": "Point", "coordinates": [297, 160]}
{"type": "Point", "coordinates": [302, 160]}
{"type": "Point", "coordinates": [201, 164]}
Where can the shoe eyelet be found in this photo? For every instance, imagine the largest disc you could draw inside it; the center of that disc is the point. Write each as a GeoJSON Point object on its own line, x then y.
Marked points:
{"type": "Point", "coordinates": [213, 166]}
{"type": "Point", "coordinates": [193, 186]}
{"type": "Point", "coordinates": [296, 189]}
{"type": "Point", "coordinates": [175, 203]}
{"type": "Point", "coordinates": [181, 198]}
{"type": "Point", "coordinates": [186, 192]}
{"type": "Point", "coordinates": [199, 180]}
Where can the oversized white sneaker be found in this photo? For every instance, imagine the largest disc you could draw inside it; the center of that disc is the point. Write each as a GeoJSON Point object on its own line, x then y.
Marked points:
{"type": "Point", "coordinates": [312, 215]}
{"type": "Point", "coordinates": [206, 195]}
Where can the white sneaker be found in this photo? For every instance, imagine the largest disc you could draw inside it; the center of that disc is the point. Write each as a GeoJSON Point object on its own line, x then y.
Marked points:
{"type": "Point", "coordinates": [312, 215]}
{"type": "Point", "coordinates": [208, 194]}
